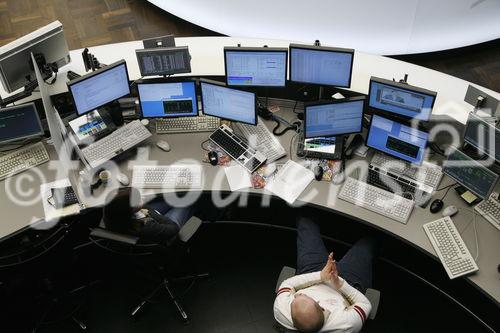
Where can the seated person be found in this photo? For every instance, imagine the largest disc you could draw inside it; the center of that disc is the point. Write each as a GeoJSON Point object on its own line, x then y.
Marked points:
{"type": "Point", "coordinates": [154, 222]}
{"type": "Point", "coordinates": [325, 296]}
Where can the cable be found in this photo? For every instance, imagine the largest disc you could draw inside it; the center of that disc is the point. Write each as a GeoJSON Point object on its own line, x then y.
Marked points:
{"type": "Point", "coordinates": [475, 233]}
{"type": "Point", "coordinates": [445, 193]}
{"type": "Point", "coordinates": [203, 143]}
{"type": "Point", "coordinates": [444, 188]}
{"type": "Point", "coordinates": [291, 143]}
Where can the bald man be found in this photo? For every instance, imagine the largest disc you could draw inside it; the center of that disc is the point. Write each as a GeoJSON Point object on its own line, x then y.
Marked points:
{"type": "Point", "coordinates": [325, 296]}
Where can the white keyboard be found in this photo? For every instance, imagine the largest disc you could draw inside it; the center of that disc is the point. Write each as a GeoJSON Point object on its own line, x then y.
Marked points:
{"type": "Point", "coordinates": [115, 143]}
{"type": "Point", "coordinates": [490, 210]}
{"type": "Point", "coordinates": [260, 138]}
{"type": "Point", "coordinates": [450, 247]}
{"type": "Point", "coordinates": [187, 124]}
{"type": "Point", "coordinates": [377, 200]}
{"type": "Point", "coordinates": [427, 173]}
{"type": "Point", "coordinates": [23, 159]}
{"type": "Point", "coordinates": [167, 176]}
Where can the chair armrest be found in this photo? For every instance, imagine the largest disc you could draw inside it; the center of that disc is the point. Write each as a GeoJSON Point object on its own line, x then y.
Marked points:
{"type": "Point", "coordinates": [373, 296]}
{"type": "Point", "coordinates": [189, 228]}
{"type": "Point", "coordinates": [286, 273]}
{"type": "Point", "coordinates": [114, 236]}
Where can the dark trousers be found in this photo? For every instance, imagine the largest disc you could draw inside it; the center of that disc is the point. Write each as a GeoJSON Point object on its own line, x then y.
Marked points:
{"type": "Point", "coordinates": [355, 267]}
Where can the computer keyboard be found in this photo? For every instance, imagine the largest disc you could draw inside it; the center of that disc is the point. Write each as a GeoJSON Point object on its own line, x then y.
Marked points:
{"type": "Point", "coordinates": [490, 210]}
{"type": "Point", "coordinates": [237, 148]}
{"type": "Point", "coordinates": [427, 173]}
{"type": "Point", "coordinates": [167, 176]}
{"type": "Point", "coordinates": [23, 159]}
{"type": "Point", "coordinates": [187, 124]}
{"type": "Point", "coordinates": [450, 247]}
{"type": "Point", "coordinates": [115, 143]}
{"type": "Point", "coordinates": [260, 138]}
{"type": "Point", "coordinates": [377, 200]}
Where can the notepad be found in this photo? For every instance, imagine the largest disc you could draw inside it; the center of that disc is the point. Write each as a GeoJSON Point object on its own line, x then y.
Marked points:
{"type": "Point", "coordinates": [290, 181]}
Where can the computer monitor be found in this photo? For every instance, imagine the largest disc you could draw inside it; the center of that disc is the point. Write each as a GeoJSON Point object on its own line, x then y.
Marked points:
{"type": "Point", "coordinates": [164, 61]}
{"type": "Point", "coordinates": [483, 136]}
{"type": "Point", "coordinates": [256, 66]}
{"type": "Point", "coordinates": [469, 173]}
{"type": "Point", "coordinates": [327, 66]}
{"type": "Point", "coordinates": [401, 99]}
{"type": "Point", "coordinates": [217, 100]}
{"type": "Point", "coordinates": [19, 122]}
{"type": "Point", "coordinates": [167, 99]}
{"type": "Point", "coordinates": [46, 43]}
{"type": "Point", "coordinates": [334, 118]}
{"type": "Point", "coordinates": [397, 139]}
{"type": "Point", "coordinates": [99, 88]}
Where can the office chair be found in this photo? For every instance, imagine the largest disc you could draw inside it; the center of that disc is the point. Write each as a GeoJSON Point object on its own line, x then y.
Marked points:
{"type": "Point", "coordinates": [373, 295]}
{"type": "Point", "coordinates": [127, 245]}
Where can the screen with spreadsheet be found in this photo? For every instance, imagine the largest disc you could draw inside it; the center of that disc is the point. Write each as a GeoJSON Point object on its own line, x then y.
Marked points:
{"type": "Point", "coordinates": [262, 67]}
{"type": "Point", "coordinates": [401, 99]}
{"type": "Point", "coordinates": [164, 61]}
{"type": "Point", "coordinates": [99, 88]}
{"type": "Point", "coordinates": [168, 99]}
{"type": "Point", "coordinates": [397, 139]}
{"type": "Point", "coordinates": [228, 103]}
{"type": "Point", "coordinates": [321, 65]}
{"type": "Point", "coordinates": [19, 122]}
{"type": "Point", "coordinates": [333, 119]}
{"type": "Point", "coordinates": [470, 173]}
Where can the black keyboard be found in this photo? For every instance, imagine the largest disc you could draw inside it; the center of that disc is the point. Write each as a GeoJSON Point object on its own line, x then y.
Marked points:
{"type": "Point", "coordinates": [229, 142]}
{"type": "Point", "coordinates": [64, 197]}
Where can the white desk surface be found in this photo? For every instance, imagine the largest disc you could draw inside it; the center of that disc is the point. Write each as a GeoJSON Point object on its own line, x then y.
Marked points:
{"type": "Point", "coordinates": [207, 60]}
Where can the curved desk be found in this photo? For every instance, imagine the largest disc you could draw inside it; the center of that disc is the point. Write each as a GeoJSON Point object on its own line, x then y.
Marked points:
{"type": "Point", "coordinates": [16, 216]}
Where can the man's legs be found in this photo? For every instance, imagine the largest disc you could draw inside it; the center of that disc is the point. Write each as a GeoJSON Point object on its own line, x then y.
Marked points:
{"type": "Point", "coordinates": [357, 264]}
{"type": "Point", "coordinates": [311, 252]}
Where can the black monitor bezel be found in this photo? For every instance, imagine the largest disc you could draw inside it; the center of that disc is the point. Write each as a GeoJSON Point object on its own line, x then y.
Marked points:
{"type": "Point", "coordinates": [403, 86]}
{"type": "Point", "coordinates": [473, 161]}
{"type": "Point", "coordinates": [408, 124]}
{"type": "Point", "coordinates": [93, 74]}
{"type": "Point", "coordinates": [335, 101]}
{"type": "Point", "coordinates": [222, 84]}
{"type": "Point", "coordinates": [138, 52]}
{"type": "Point", "coordinates": [255, 49]}
{"type": "Point", "coordinates": [324, 49]}
{"type": "Point", "coordinates": [168, 80]}
{"type": "Point", "coordinates": [467, 124]}
{"type": "Point", "coordinates": [35, 110]}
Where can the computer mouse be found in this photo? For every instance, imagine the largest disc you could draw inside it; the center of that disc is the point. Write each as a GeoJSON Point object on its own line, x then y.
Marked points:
{"type": "Point", "coordinates": [436, 206]}
{"type": "Point", "coordinates": [450, 211]}
{"type": "Point", "coordinates": [163, 145]}
{"type": "Point", "coordinates": [318, 173]}
{"type": "Point", "coordinates": [213, 157]}
{"type": "Point", "coordinates": [122, 179]}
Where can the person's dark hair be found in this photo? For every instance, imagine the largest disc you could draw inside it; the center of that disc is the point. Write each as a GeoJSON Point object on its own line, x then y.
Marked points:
{"type": "Point", "coordinates": [118, 213]}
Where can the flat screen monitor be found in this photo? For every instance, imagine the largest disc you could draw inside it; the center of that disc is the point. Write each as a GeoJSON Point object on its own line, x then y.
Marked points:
{"type": "Point", "coordinates": [401, 99]}
{"type": "Point", "coordinates": [164, 61]}
{"type": "Point", "coordinates": [327, 66]}
{"type": "Point", "coordinates": [334, 118]}
{"type": "Point", "coordinates": [469, 173]}
{"type": "Point", "coordinates": [397, 139]}
{"type": "Point", "coordinates": [167, 99]}
{"type": "Point", "coordinates": [15, 57]}
{"type": "Point", "coordinates": [232, 104]}
{"type": "Point", "coordinates": [99, 88]}
{"type": "Point", "coordinates": [483, 136]}
{"type": "Point", "coordinates": [19, 122]}
{"type": "Point", "coordinates": [256, 66]}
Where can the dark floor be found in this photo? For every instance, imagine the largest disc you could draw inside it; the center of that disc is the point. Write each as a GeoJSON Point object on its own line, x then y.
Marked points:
{"type": "Point", "coordinates": [244, 262]}
{"type": "Point", "coordinates": [95, 22]}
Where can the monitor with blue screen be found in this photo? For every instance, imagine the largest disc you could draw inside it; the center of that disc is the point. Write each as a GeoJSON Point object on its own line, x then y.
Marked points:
{"type": "Point", "coordinates": [397, 139]}
{"type": "Point", "coordinates": [99, 88]}
{"type": "Point", "coordinates": [321, 65]}
{"type": "Point", "coordinates": [220, 101]}
{"type": "Point", "coordinates": [334, 118]}
{"type": "Point", "coordinates": [167, 99]}
{"type": "Point", "coordinates": [401, 99]}
{"type": "Point", "coordinates": [19, 122]}
{"type": "Point", "coordinates": [256, 66]}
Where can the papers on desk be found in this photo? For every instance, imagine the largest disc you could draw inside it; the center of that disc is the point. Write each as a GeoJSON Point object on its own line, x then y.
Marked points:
{"type": "Point", "coordinates": [290, 181]}
{"type": "Point", "coordinates": [237, 177]}
{"type": "Point", "coordinates": [52, 213]}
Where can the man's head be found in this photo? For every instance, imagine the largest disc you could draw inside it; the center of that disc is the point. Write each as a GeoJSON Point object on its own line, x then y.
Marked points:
{"type": "Point", "coordinates": [307, 315]}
